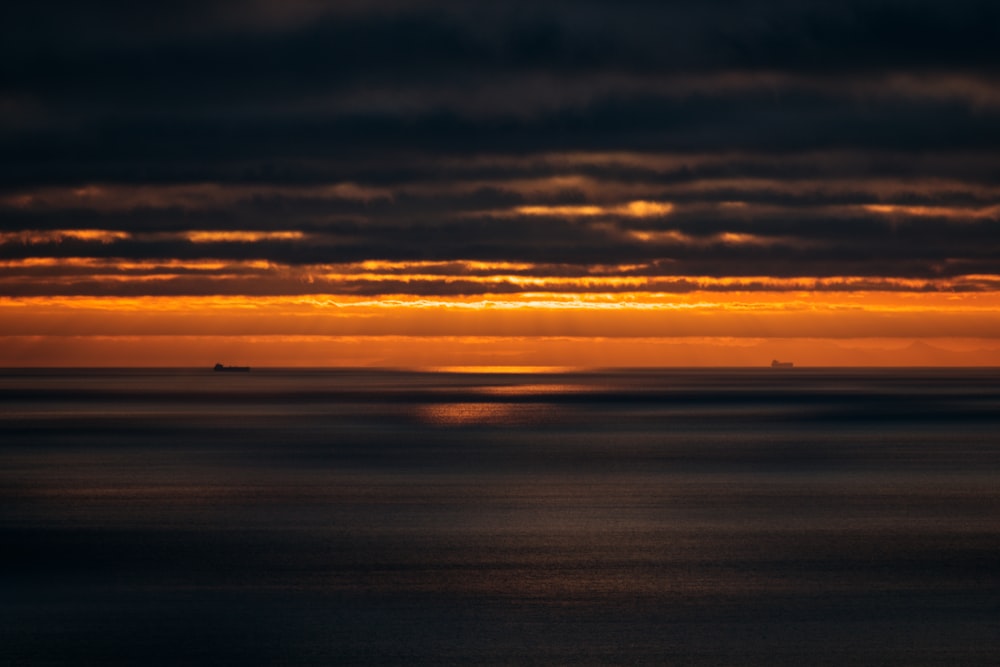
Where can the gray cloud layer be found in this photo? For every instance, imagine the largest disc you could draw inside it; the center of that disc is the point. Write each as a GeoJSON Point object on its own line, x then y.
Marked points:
{"type": "Point", "coordinates": [440, 121]}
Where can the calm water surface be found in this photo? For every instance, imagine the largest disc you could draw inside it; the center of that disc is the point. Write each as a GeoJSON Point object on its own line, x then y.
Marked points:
{"type": "Point", "coordinates": [689, 517]}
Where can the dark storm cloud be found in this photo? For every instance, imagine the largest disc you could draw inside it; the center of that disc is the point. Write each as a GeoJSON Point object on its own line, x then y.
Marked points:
{"type": "Point", "coordinates": [784, 242]}
{"type": "Point", "coordinates": [448, 118]}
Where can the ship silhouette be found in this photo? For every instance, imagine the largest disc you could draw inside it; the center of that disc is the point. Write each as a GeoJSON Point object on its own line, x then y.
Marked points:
{"type": "Point", "coordinates": [219, 368]}
{"type": "Point", "coordinates": [781, 364]}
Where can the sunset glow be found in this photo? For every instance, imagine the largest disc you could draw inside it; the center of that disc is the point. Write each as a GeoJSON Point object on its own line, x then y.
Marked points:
{"type": "Point", "coordinates": [542, 329]}
{"type": "Point", "coordinates": [600, 187]}
{"type": "Point", "coordinates": [632, 209]}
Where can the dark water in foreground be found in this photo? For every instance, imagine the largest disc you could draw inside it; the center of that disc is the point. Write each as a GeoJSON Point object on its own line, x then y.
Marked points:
{"type": "Point", "coordinates": [671, 517]}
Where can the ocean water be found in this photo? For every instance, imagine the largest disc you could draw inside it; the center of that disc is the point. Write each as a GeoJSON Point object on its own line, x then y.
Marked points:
{"type": "Point", "coordinates": [670, 517]}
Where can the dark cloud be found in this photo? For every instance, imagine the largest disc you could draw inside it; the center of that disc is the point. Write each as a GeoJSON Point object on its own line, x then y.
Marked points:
{"type": "Point", "coordinates": [438, 121]}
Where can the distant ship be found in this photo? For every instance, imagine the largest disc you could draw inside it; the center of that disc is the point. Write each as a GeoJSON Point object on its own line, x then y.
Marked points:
{"type": "Point", "coordinates": [219, 368]}
{"type": "Point", "coordinates": [781, 364]}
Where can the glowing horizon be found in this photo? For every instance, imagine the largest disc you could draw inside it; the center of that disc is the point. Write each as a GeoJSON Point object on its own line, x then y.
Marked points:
{"type": "Point", "coordinates": [597, 330]}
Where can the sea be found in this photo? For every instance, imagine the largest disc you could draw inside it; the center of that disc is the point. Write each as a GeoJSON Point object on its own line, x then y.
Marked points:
{"type": "Point", "coordinates": [567, 517]}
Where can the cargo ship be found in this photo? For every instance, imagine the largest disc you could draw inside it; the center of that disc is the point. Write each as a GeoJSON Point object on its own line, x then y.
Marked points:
{"type": "Point", "coordinates": [781, 364]}
{"type": "Point", "coordinates": [219, 368]}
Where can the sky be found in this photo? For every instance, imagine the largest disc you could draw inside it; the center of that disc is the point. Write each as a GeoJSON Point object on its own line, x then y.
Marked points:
{"type": "Point", "coordinates": [546, 183]}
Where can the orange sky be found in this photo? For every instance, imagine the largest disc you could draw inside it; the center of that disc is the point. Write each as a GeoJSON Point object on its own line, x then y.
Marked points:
{"type": "Point", "coordinates": [695, 329]}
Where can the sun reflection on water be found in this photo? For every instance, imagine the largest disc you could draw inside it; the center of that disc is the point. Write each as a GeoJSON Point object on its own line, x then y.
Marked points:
{"type": "Point", "coordinates": [537, 389]}
{"type": "Point", "coordinates": [471, 413]}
